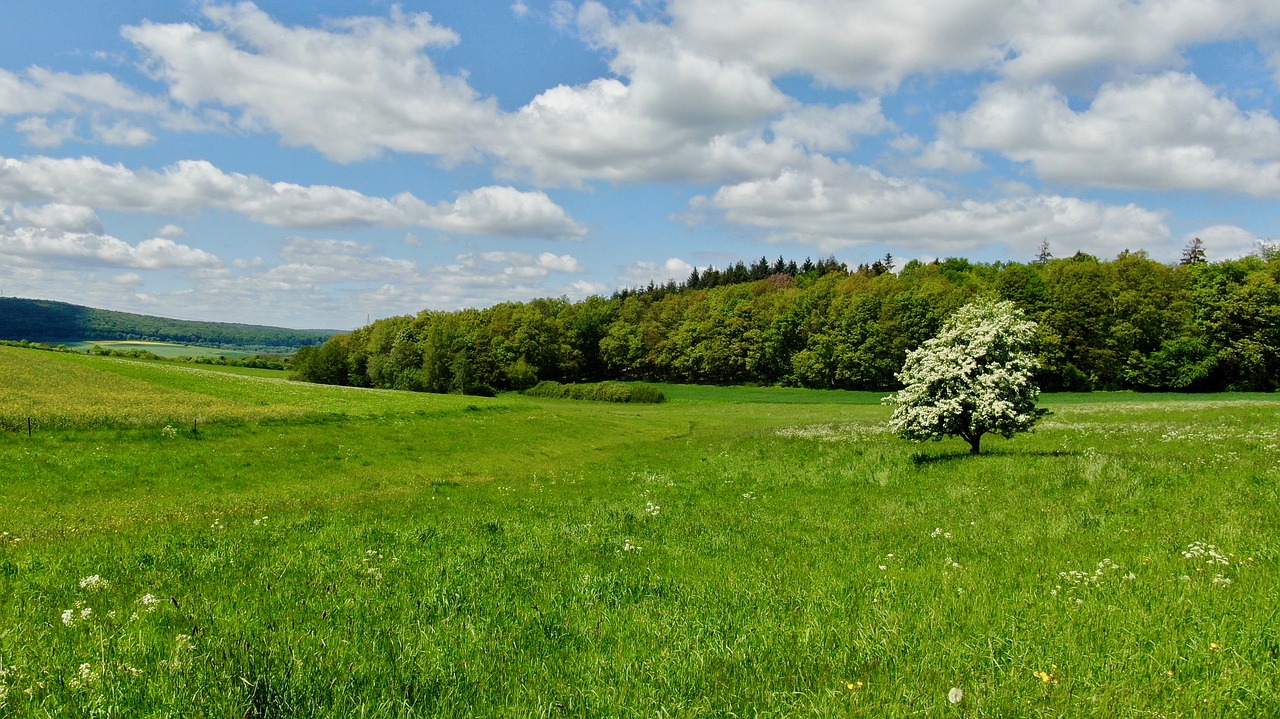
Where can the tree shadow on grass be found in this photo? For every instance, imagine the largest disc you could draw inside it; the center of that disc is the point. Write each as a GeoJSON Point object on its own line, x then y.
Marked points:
{"type": "Point", "coordinates": [925, 459]}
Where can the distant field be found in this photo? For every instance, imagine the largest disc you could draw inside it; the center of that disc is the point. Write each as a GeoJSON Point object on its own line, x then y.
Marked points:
{"type": "Point", "coordinates": [162, 349]}
{"type": "Point", "coordinates": [316, 551]}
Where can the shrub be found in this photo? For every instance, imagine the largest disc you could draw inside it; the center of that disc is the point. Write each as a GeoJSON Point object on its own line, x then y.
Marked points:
{"type": "Point", "coordinates": [598, 392]}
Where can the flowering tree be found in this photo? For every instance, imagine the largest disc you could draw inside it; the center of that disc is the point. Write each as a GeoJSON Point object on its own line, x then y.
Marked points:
{"type": "Point", "coordinates": [973, 378]}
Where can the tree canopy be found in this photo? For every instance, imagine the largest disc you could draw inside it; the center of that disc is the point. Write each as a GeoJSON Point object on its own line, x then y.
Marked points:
{"type": "Point", "coordinates": [973, 379]}
{"type": "Point", "coordinates": [1125, 323]}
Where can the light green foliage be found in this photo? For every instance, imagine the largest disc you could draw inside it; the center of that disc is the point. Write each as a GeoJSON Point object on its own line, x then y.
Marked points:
{"type": "Point", "coordinates": [750, 552]}
{"type": "Point", "coordinates": [974, 378]}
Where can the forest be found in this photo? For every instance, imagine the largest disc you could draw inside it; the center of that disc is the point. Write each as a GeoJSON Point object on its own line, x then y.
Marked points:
{"type": "Point", "coordinates": [1130, 323]}
{"type": "Point", "coordinates": [53, 322]}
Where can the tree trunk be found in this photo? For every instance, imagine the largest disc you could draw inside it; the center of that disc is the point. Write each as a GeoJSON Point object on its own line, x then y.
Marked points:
{"type": "Point", "coordinates": [974, 443]}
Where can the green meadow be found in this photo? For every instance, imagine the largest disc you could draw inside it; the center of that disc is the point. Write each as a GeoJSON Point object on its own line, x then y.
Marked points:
{"type": "Point", "coordinates": [160, 349]}
{"type": "Point", "coordinates": [181, 542]}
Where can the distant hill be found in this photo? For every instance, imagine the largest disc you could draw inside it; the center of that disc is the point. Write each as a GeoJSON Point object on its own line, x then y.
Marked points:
{"type": "Point", "coordinates": [56, 322]}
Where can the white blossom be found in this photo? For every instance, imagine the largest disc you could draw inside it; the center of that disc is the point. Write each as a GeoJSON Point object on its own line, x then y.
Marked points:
{"type": "Point", "coordinates": [974, 378]}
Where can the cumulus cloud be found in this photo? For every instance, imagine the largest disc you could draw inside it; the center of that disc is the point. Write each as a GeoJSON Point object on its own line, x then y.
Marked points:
{"type": "Point", "coordinates": [41, 246]}
{"type": "Point", "coordinates": [40, 132]}
{"type": "Point", "coordinates": [501, 210]}
{"type": "Point", "coordinates": [351, 90]}
{"type": "Point", "coordinates": [669, 114]}
{"type": "Point", "coordinates": [640, 274]}
{"type": "Point", "coordinates": [122, 133]}
{"type": "Point", "coordinates": [878, 43]}
{"type": "Point", "coordinates": [192, 185]}
{"type": "Point", "coordinates": [831, 129]}
{"type": "Point", "coordinates": [1169, 131]}
{"type": "Point", "coordinates": [543, 263]}
{"type": "Point", "coordinates": [843, 206]}
{"type": "Point", "coordinates": [59, 218]}
{"type": "Point", "coordinates": [1224, 242]}
{"type": "Point", "coordinates": [367, 85]}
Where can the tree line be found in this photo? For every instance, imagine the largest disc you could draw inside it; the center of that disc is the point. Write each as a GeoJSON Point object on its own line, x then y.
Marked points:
{"type": "Point", "coordinates": [53, 322]}
{"type": "Point", "coordinates": [1125, 323]}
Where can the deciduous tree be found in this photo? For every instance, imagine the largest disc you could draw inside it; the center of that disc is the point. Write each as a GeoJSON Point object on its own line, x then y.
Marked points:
{"type": "Point", "coordinates": [973, 379]}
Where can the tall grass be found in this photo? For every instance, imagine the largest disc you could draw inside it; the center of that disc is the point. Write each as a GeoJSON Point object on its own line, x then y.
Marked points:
{"type": "Point", "coordinates": [448, 556]}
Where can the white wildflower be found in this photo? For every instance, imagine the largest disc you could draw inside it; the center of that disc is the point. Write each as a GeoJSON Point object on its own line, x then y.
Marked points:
{"type": "Point", "coordinates": [1208, 552]}
{"type": "Point", "coordinates": [627, 546]}
{"type": "Point", "coordinates": [93, 583]}
{"type": "Point", "coordinates": [84, 676]}
{"type": "Point", "coordinates": [956, 695]}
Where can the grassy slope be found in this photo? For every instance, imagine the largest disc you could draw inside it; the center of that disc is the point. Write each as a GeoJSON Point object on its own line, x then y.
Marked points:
{"type": "Point", "coordinates": [56, 322]}
{"type": "Point", "coordinates": [325, 552]}
{"type": "Point", "coordinates": [160, 349]}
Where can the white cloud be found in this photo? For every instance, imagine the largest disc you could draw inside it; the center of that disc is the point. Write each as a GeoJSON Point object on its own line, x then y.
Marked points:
{"type": "Point", "coordinates": [640, 274]}
{"type": "Point", "coordinates": [582, 289]}
{"type": "Point", "coordinates": [38, 91]}
{"type": "Point", "coordinates": [941, 154]}
{"type": "Point", "coordinates": [192, 185]}
{"type": "Point", "coordinates": [1169, 132]}
{"type": "Point", "coordinates": [171, 231]}
{"type": "Point", "coordinates": [122, 133]}
{"type": "Point", "coordinates": [828, 129]}
{"type": "Point", "coordinates": [544, 262]}
{"type": "Point", "coordinates": [842, 206]}
{"type": "Point", "coordinates": [39, 132]}
{"type": "Point", "coordinates": [1223, 242]}
{"type": "Point", "coordinates": [878, 43]}
{"type": "Point", "coordinates": [41, 246]}
{"type": "Point", "coordinates": [872, 44]}
{"type": "Point", "coordinates": [363, 86]}
{"type": "Point", "coordinates": [671, 114]}
{"type": "Point", "coordinates": [1057, 39]}
{"type": "Point", "coordinates": [501, 210]}
{"type": "Point", "coordinates": [351, 90]}
{"type": "Point", "coordinates": [58, 217]}
{"type": "Point", "coordinates": [559, 263]}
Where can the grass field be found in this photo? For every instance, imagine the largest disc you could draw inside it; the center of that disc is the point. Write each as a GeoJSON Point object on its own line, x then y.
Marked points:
{"type": "Point", "coordinates": [322, 551]}
{"type": "Point", "coordinates": [161, 349]}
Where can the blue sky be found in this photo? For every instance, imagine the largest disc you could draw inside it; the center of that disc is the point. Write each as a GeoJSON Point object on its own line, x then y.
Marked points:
{"type": "Point", "coordinates": [313, 164]}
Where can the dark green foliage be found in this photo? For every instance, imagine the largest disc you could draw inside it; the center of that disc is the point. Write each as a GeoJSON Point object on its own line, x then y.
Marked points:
{"type": "Point", "coordinates": [50, 322]}
{"type": "Point", "coordinates": [599, 392]}
{"type": "Point", "coordinates": [1127, 323]}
